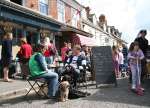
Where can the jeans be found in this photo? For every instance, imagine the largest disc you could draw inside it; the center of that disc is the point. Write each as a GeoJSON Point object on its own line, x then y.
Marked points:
{"type": "Point", "coordinates": [49, 60]}
{"type": "Point", "coordinates": [52, 79]}
{"type": "Point", "coordinates": [136, 75]}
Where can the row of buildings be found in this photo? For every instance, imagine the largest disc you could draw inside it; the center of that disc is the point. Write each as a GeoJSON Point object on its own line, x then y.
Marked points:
{"type": "Point", "coordinates": [61, 20]}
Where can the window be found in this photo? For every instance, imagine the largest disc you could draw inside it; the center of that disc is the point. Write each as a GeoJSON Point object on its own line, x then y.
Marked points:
{"type": "Point", "coordinates": [75, 17]}
{"type": "Point", "coordinates": [44, 7]}
{"type": "Point", "coordinates": [17, 1]}
{"type": "Point", "coordinates": [61, 11]}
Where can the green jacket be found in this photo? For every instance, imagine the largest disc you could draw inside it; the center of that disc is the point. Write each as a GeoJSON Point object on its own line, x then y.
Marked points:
{"type": "Point", "coordinates": [34, 66]}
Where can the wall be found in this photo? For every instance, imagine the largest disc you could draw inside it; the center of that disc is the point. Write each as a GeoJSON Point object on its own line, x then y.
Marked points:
{"type": "Point", "coordinates": [68, 14]}
{"type": "Point", "coordinates": [53, 9]}
{"type": "Point", "coordinates": [32, 4]}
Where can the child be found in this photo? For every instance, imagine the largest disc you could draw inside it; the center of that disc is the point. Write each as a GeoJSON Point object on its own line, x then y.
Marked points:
{"type": "Point", "coordinates": [115, 56]}
{"type": "Point", "coordinates": [135, 56]}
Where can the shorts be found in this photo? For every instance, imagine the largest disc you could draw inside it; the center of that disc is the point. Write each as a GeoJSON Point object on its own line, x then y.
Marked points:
{"type": "Point", "coordinates": [6, 62]}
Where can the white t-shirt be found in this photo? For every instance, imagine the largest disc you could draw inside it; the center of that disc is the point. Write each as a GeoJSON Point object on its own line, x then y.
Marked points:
{"type": "Point", "coordinates": [121, 58]}
{"type": "Point", "coordinates": [74, 62]}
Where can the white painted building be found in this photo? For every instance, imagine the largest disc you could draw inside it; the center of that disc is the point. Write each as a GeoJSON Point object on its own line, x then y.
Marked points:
{"type": "Point", "coordinates": [103, 34]}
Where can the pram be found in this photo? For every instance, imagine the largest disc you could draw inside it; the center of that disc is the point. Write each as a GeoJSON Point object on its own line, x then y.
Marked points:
{"type": "Point", "coordinates": [74, 88]}
{"type": "Point", "coordinates": [125, 70]}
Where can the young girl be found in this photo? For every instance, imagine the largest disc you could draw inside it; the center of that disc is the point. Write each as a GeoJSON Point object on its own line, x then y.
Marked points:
{"type": "Point", "coordinates": [135, 56]}
{"type": "Point", "coordinates": [115, 55]}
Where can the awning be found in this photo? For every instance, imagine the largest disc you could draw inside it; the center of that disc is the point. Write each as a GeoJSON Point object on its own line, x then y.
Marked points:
{"type": "Point", "coordinates": [68, 28]}
{"type": "Point", "coordinates": [87, 40]}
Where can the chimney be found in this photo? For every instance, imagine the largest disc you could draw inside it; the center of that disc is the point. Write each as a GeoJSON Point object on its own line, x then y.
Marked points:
{"type": "Point", "coordinates": [87, 11]}
{"type": "Point", "coordinates": [102, 21]}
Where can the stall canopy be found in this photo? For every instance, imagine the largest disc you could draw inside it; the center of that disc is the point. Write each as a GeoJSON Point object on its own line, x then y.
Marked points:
{"type": "Point", "coordinates": [87, 40]}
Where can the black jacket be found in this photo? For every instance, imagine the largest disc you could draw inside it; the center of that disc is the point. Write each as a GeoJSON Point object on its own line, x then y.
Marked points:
{"type": "Point", "coordinates": [143, 44]}
{"type": "Point", "coordinates": [79, 61]}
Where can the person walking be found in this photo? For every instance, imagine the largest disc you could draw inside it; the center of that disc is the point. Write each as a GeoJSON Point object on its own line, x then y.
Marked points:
{"type": "Point", "coordinates": [135, 56]}
{"type": "Point", "coordinates": [6, 55]}
{"type": "Point", "coordinates": [143, 45]}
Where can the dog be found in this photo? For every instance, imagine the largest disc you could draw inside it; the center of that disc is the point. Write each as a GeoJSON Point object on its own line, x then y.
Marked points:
{"type": "Point", "coordinates": [64, 89]}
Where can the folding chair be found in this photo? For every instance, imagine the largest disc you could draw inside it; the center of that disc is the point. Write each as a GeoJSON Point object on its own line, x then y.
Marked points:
{"type": "Point", "coordinates": [37, 85]}
{"type": "Point", "coordinates": [83, 78]}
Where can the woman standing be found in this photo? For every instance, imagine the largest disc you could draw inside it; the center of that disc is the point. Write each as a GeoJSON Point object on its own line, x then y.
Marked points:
{"type": "Point", "coordinates": [6, 55]}
{"type": "Point", "coordinates": [24, 55]}
{"type": "Point", "coordinates": [48, 53]}
{"type": "Point", "coordinates": [115, 56]}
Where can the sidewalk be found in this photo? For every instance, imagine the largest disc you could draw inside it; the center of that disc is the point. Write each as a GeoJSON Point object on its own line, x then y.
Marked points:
{"type": "Point", "coordinates": [13, 89]}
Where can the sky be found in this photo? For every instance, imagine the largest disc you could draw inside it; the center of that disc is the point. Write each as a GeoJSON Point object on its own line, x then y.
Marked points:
{"type": "Point", "coordinates": [129, 16]}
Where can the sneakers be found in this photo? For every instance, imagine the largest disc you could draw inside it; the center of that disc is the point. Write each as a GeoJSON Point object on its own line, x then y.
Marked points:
{"type": "Point", "coordinates": [138, 91]}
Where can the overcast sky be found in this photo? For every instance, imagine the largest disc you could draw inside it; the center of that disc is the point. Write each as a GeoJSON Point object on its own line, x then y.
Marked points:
{"type": "Point", "coordinates": [129, 16]}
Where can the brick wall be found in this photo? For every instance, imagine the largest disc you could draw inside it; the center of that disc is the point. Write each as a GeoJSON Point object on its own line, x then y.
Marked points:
{"type": "Point", "coordinates": [68, 14]}
{"type": "Point", "coordinates": [33, 4]}
{"type": "Point", "coordinates": [53, 8]}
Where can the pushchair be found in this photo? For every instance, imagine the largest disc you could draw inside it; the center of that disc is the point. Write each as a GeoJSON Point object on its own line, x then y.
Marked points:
{"type": "Point", "coordinates": [70, 71]}
{"type": "Point", "coordinates": [125, 70]}
{"type": "Point", "coordinates": [74, 91]}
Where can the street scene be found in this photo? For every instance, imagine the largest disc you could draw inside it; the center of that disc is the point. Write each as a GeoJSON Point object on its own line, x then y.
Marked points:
{"type": "Point", "coordinates": [74, 54]}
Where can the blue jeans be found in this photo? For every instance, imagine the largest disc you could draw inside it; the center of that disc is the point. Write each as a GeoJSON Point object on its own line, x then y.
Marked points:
{"type": "Point", "coordinates": [136, 76]}
{"type": "Point", "coordinates": [52, 79]}
{"type": "Point", "coordinates": [49, 60]}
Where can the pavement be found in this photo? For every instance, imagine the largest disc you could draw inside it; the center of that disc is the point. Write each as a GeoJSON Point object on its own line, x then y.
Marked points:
{"type": "Point", "coordinates": [103, 97]}
{"type": "Point", "coordinates": [13, 89]}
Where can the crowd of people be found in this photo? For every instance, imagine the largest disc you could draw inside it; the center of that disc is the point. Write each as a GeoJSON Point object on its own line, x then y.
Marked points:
{"type": "Point", "coordinates": [135, 58]}
{"type": "Point", "coordinates": [44, 59]}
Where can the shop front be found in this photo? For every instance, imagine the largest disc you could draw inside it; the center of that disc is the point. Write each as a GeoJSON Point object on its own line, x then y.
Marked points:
{"type": "Point", "coordinates": [74, 36]}
{"type": "Point", "coordinates": [22, 22]}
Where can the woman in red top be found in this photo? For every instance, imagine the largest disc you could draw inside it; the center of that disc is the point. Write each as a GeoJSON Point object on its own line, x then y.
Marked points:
{"type": "Point", "coordinates": [24, 55]}
{"type": "Point", "coordinates": [50, 51]}
{"type": "Point", "coordinates": [63, 51]}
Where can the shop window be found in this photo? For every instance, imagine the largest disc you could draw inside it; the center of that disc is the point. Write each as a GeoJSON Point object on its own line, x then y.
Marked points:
{"type": "Point", "coordinates": [61, 11]}
{"type": "Point", "coordinates": [1, 34]}
{"type": "Point", "coordinates": [44, 7]}
{"type": "Point", "coordinates": [17, 34]}
{"type": "Point", "coordinates": [20, 2]}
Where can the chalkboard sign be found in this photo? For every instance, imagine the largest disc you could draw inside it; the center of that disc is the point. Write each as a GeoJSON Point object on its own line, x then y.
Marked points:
{"type": "Point", "coordinates": [103, 65]}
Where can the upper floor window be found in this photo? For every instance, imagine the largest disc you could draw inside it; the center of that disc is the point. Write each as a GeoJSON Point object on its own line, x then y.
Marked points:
{"type": "Point", "coordinates": [61, 10]}
{"type": "Point", "coordinates": [43, 6]}
{"type": "Point", "coordinates": [75, 17]}
{"type": "Point", "coordinates": [20, 2]}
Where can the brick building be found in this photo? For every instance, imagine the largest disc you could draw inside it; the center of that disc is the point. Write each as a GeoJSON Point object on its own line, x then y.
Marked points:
{"type": "Point", "coordinates": [34, 19]}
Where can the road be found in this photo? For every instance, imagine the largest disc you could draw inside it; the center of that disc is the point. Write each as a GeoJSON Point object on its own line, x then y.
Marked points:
{"type": "Point", "coordinates": [108, 97]}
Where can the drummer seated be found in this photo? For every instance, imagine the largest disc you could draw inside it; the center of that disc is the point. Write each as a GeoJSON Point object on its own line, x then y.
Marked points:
{"type": "Point", "coordinates": [38, 69]}
{"type": "Point", "coordinates": [77, 62]}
